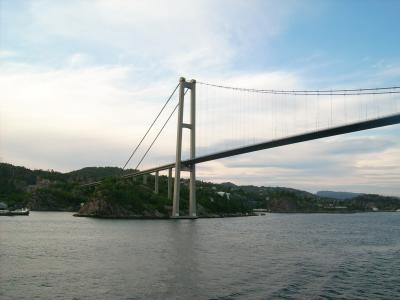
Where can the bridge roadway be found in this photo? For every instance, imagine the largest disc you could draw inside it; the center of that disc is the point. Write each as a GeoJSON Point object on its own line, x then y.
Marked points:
{"type": "Point", "coordinates": [353, 127]}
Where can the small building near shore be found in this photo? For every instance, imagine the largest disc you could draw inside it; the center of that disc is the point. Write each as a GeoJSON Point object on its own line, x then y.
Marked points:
{"type": "Point", "coordinates": [223, 194]}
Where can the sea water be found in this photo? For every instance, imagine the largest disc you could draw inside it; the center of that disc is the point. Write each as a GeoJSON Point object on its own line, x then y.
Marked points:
{"type": "Point", "coordinates": [53, 255]}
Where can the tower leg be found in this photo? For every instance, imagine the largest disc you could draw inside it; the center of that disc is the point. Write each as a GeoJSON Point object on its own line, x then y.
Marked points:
{"type": "Point", "coordinates": [192, 184]}
{"type": "Point", "coordinates": [177, 183]}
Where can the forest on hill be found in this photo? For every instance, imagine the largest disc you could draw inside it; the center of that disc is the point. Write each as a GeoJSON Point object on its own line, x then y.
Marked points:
{"type": "Point", "coordinates": [54, 191]}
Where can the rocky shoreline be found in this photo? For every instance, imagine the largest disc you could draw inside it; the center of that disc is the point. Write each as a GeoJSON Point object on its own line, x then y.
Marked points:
{"type": "Point", "coordinates": [100, 208]}
{"type": "Point", "coordinates": [142, 217]}
{"type": "Point", "coordinates": [155, 215]}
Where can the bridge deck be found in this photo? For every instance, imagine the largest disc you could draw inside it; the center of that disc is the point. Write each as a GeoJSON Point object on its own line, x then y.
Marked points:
{"type": "Point", "coordinates": [354, 127]}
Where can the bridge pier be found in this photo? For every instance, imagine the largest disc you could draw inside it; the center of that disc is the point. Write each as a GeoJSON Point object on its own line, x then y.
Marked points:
{"type": "Point", "coordinates": [178, 165]}
{"type": "Point", "coordinates": [156, 183]}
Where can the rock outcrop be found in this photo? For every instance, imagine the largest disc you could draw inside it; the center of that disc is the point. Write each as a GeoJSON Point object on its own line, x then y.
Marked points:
{"type": "Point", "coordinates": [101, 208]}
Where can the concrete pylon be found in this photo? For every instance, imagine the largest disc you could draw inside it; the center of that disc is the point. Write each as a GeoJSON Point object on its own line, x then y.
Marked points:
{"type": "Point", "coordinates": [192, 183]}
{"type": "Point", "coordinates": [178, 167]}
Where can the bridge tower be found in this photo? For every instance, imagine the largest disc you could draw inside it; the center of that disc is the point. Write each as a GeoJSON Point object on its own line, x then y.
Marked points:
{"type": "Point", "coordinates": [183, 84]}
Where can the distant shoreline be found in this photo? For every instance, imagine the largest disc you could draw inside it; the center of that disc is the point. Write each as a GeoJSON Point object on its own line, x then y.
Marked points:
{"type": "Point", "coordinates": [212, 216]}
{"type": "Point", "coordinates": [223, 215]}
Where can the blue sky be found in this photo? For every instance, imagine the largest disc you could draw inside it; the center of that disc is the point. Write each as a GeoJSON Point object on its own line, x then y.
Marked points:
{"type": "Point", "coordinates": [85, 77]}
{"type": "Point", "coordinates": [331, 38]}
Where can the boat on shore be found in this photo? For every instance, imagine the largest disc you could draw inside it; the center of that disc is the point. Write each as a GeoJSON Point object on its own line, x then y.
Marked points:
{"type": "Point", "coordinates": [17, 212]}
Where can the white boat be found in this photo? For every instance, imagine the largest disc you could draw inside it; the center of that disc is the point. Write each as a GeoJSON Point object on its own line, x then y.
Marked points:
{"type": "Point", "coordinates": [17, 212]}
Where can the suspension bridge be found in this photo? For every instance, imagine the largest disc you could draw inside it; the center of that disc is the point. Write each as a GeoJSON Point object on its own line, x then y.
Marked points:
{"type": "Point", "coordinates": [225, 121]}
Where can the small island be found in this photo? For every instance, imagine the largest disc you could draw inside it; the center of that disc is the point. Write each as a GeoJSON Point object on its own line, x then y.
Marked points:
{"type": "Point", "coordinates": [115, 198]}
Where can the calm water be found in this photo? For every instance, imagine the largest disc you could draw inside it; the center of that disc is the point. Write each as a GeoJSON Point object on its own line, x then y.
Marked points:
{"type": "Point", "coordinates": [279, 256]}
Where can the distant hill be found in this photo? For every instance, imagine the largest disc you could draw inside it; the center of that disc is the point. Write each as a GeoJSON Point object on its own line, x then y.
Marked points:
{"type": "Point", "coordinates": [90, 174]}
{"type": "Point", "coordinates": [51, 190]}
{"type": "Point", "coordinates": [229, 185]}
{"type": "Point", "coordinates": [48, 189]}
{"type": "Point", "coordinates": [338, 195]}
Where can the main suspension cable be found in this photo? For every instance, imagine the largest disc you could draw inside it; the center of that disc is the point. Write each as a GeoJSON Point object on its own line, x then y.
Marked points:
{"type": "Point", "coordinates": [151, 126]}
{"type": "Point", "coordinates": [344, 92]}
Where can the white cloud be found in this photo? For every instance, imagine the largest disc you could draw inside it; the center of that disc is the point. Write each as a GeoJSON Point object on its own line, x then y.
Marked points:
{"type": "Point", "coordinates": [192, 38]}
{"type": "Point", "coordinates": [7, 53]}
{"type": "Point", "coordinates": [78, 60]}
{"type": "Point", "coordinates": [91, 103]}
{"type": "Point", "coordinates": [390, 71]}
{"type": "Point", "coordinates": [311, 166]}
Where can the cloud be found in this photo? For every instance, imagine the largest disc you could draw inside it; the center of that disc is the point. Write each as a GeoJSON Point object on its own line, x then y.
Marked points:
{"type": "Point", "coordinates": [88, 103]}
{"type": "Point", "coordinates": [98, 105]}
{"type": "Point", "coordinates": [314, 166]}
{"type": "Point", "coordinates": [7, 54]}
{"type": "Point", "coordinates": [388, 70]}
{"type": "Point", "coordinates": [78, 60]}
{"type": "Point", "coordinates": [204, 37]}
{"type": "Point", "coordinates": [354, 145]}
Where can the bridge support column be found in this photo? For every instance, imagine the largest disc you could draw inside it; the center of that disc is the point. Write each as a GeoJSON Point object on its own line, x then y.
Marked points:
{"type": "Point", "coordinates": [177, 183]}
{"type": "Point", "coordinates": [192, 184]}
{"type": "Point", "coordinates": [178, 167]}
{"type": "Point", "coordinates": [156, 183]}
{"type": "Point", "coordinates": [170, 183]}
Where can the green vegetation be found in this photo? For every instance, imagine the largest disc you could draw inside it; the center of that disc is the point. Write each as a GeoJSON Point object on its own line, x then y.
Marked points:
{"type": "Point", "coordinates": [131, 196]}
{"type": "Point", "coordinates": [47, 190]}
{"type": "Point", "coordinates": [50, 190]}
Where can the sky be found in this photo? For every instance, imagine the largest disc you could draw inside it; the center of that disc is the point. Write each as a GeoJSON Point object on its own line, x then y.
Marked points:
{"type": "Point", "coordinates": [80, 81]}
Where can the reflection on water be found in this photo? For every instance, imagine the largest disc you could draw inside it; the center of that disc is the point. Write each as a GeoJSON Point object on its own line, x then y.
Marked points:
{"type": "Point", "coordinates": [292, 256]}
